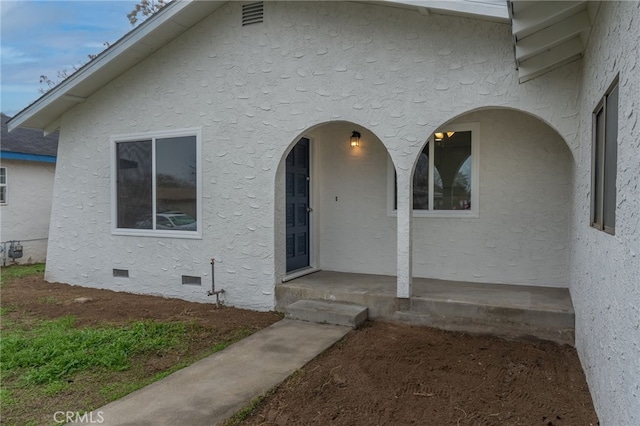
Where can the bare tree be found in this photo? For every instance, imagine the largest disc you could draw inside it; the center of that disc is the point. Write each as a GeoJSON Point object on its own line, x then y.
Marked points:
{"type": "Point", "coordinates": [145, 8]}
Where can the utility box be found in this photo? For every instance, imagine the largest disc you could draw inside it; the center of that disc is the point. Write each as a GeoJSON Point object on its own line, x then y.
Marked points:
{"type": "Point", "coordinates": [15, 250]}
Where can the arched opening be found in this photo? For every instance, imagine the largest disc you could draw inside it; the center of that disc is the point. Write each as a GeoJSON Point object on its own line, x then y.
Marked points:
{"type": "Point", "coordinates": [347, 223]}
{"type": "Point", "coordinates": [516, 229]}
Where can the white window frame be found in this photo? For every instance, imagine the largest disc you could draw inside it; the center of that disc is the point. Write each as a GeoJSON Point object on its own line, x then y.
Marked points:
{"type": "Point", "coordinates": [599, 170]}
{"type": "Point", "coordinates": [474, 128]}
{"type": "Point", "coordinates": [5, 186]}
{"type": "Point", "coordinates": [115, 139]}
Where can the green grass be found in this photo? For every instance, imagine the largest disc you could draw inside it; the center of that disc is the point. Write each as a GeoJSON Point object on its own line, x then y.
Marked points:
{"type": "Point", "coordinates": [44, 363]}
{"type": "Point", "coordinates": [113, 391]}
{"type": "Point", "coordinates": [51, 365]}
{"type": "Point", "coordinates": [53, 351]}
{"type": "Point", "coordinates": [48, 358]}
{"type": "Point", "coordinates": [19, 271]}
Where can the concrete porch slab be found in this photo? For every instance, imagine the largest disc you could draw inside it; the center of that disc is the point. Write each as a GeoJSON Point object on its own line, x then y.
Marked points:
{"type": "Point", "coordinates": [516, 311]}
{"type": "Point", "coordinates": [323, 312]}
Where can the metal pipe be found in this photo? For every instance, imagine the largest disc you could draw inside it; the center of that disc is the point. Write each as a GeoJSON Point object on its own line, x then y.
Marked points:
{"type": "Point", "coordinates": [213, 275]}
{"type": "Point", "coordinates": [213, 283]}
{"type": "Point", "coordinates": [33, 239]}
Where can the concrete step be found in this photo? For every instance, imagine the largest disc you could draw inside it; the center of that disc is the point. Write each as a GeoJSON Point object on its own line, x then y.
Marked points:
{"type": "Point", "coordinates": [324, 312]}
{"type": "Point", "coordinates": [513, 322]}
{"type": "Point", "coordinates": [537, 315]}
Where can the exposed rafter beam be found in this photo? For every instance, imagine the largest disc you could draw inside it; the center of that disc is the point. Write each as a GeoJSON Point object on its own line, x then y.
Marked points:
{"type": "Point", "coordinates": [560, 55]}
{"type": "Point", "coordinates": [543, 14]}
{"type": "Point", "coordinates": [552, 36]}
{"type": "Point", "coordinates": [73, 98]}
{"type": "Point", "coordinates": [52, 127]}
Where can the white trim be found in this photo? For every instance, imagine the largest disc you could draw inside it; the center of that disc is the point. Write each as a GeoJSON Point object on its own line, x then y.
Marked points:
{"type": "Point", "coordinates": [492, 10]}
{"type": "Point", "coordinates": [474, 212]}
{"type": "Point", "coordinates": [300, 273]}
{"type": "Point", "coordinates": [314, 222]}
{"type": "Point", "coordinates": [130, 137]}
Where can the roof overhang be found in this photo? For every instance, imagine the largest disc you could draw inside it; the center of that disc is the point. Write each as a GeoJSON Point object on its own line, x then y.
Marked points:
{"type": "Point", "coordinates": [488, 10]}
{"type": "Point", "coordinates": [176, 18]}
{"type": "Point", "coordinates": [173, 20]}
{"type": "Point", "coordinates": [549, 34]}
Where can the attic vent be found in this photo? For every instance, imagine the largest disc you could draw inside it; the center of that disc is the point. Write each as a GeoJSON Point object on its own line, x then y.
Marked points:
{"type": "Point", "coordinates": [252, 13]}
{"type": "Point", "coordinates": [189, 280]}
{"type": "Point", "coordinates": [122, 273]}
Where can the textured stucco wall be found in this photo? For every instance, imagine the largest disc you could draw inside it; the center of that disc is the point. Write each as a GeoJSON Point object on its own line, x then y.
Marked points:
{"type": "Point", "coordinates": [253, 91]}
{"type": "Point", "coordinates": [605, 287]}
{"type": "Point", "coordinates": [355, 232]}
{"type": "Point", "coordinates": [520, 237]}
{"type": "Point", "coordinates": [28, 209]}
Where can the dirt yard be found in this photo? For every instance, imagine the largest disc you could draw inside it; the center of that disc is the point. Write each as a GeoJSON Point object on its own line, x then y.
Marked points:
{"type": "Point", "coordinates": [382, 374]}
{"type": "Point", "coordinates": [390, 374]}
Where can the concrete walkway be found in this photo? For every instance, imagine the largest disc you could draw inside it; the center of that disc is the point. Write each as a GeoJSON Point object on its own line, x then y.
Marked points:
{"type": "Point", "coordinates": [213, 389]}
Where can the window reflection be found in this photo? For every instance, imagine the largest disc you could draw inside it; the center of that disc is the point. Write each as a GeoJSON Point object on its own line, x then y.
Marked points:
{"type": "Point", "coordinates": [452, 160]}
{"type": "Point", "coordinates": [175, 181]}
{"type": "Point", "coordinates": [421, 182]}
{"type": "Point", "coordinates": [134, 184]}
{"type": "Point", "coordinates": [450, 188]}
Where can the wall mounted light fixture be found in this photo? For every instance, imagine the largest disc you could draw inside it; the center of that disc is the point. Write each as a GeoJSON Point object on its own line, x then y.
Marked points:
{"type": "Point", "coordinates": [355, 139]}
{"type": "Point", "coordinates": [440, 135]}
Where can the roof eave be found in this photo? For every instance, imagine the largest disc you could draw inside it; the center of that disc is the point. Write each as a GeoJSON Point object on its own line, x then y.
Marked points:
{"type": "Point", "coordinates": [173, 20]}
{"type": "Point", "coordinates": [486, 10]}
{"type": "Point", "coordinates": [132, 48]}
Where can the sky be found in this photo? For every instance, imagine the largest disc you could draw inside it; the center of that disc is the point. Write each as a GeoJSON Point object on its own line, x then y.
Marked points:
{"type": "Point", "coordinates": [43, 37]}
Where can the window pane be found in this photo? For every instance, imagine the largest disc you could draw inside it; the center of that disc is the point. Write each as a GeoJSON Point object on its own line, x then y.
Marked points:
{"type": "Point", "coordinates": [134, 184]}
{"type": "Point", "coordinates": [610, 160]}
{"type": "Point", "coordinates": [421, 181]}
{"type": "Point", "coordinates": [3, 194]}
{"type": "Point", "coordinates": [452, 174]}
{"type": "Point", "coordinates": [176, 199]}
{"type": "Point", "coordinates": [598, 151]}
{"type": "Point", "coordinates": [3, 175]}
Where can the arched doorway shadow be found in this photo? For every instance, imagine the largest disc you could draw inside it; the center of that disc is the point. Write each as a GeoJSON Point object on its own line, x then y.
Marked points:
{"type": "Point", "coordinates": [522, 183]}
{"type": "Point", "coordinates": [349, 229]}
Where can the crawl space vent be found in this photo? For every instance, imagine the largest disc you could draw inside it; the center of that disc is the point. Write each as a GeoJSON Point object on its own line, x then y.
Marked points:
{"type": "Point", "coordinates": [189, 280]}
{"type": "Point", "coordinates": [121, 273]}
{"type": "Point", "coordinates": [252, 13]}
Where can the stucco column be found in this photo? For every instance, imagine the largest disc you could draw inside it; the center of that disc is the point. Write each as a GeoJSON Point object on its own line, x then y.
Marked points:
{"type": "Point", "coordinates": [405, 210]}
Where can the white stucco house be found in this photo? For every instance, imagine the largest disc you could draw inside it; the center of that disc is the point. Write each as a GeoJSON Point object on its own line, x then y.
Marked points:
{"type": "Point", "coordinates": [27, 171]}
{"type": "Point", "coordinates": [491, 143]}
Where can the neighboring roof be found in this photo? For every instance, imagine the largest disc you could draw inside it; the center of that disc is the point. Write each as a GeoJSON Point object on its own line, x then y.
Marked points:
{"type": "Point", "coordinates": [27, 144]}
{"type": "Point", "coordinates": [167, 24]}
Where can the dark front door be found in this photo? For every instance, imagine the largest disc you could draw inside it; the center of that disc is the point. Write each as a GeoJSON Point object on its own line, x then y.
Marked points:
{"type": "Point", "coordinates": [298, 206]}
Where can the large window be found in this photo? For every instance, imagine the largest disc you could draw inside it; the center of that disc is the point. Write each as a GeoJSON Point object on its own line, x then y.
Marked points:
{"type": "Point", "coordinates": [604, 161]}
{"type": "Point", "coordinates": [157, 185]}
{"type": "Point", "coordinates": [445, 179]}
{"type": "Point", "coordinates": [3, 185]}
